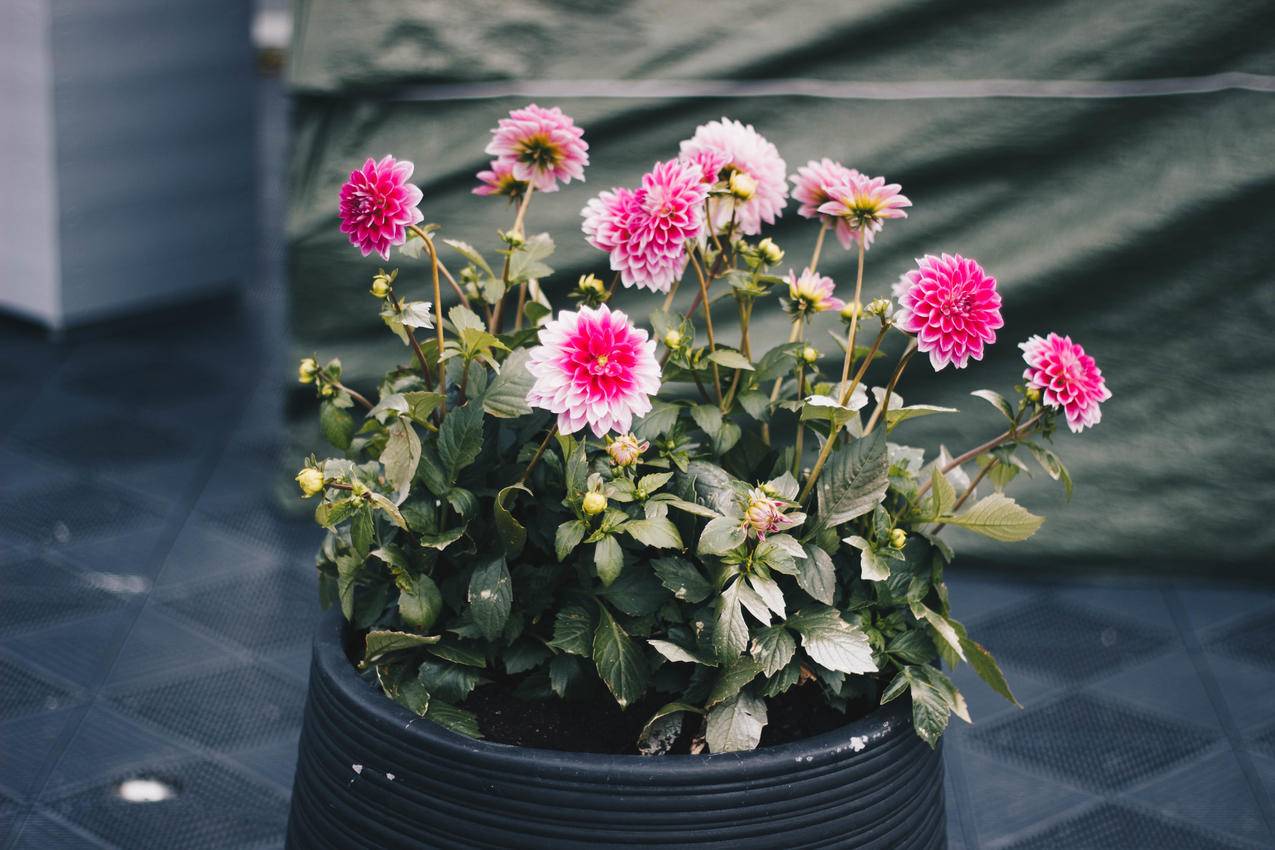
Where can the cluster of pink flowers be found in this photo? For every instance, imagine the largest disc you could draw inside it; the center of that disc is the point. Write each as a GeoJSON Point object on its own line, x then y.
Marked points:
{"type": "Point", "coordinates": [645, 230]}
{"type": "Point", "coordinates": [1067, 378]}
{"type": "Point", "coordinates": [593, 368]}
{"type": "Point", "coordinates": [378, 205]}
{"type": "Point", "coordinates": [741, 148]}
{"type": "Point", "coordinates": [537, 146]}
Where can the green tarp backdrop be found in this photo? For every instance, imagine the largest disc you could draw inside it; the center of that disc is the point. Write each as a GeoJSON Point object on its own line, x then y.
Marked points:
{"type": "Point", "coordinates": [1112, 164]}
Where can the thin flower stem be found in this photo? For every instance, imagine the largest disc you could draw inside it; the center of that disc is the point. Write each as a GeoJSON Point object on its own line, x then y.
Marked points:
{"type": "Point", "coordinates": [814, 258]}
{"type": "Point", "coordinates": [708, 220]}
{"type": "Point", "coordinates": [522, 302]}
{"type": "Point", "coordinates": [854, 319]}
{"type": "Point", "coordinates": [522, 210]}
{"type": "Point", "coordinates": [745, 314]}
{"type": "Point", "coordinates": [615, 281]}
{"type": "Point", "coordinates": [779, 382]}
{"type": "Point", "coordinates": [438, 325]}
{"type": "Point", "coordinates": [526, 473]}
{"type": "Point", "coordinates": [1015, 432]}
{"type": "Point", "coordinates": [668, 299]}
{"type": "Point", "coordinates": [894, 379]}
{"type": "Point", "coordinates": [359, 397]}
{"type": "Point", "coordinates": [496, 318]}
{"type": "Point", "coordinates": [708, 325]}
{"type": "Point", "coordinates": [801, 430]}
{"type": "Point", "coordinates": [493, 325]}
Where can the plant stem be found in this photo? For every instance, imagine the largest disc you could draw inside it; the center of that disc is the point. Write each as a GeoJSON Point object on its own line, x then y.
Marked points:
{"type": "Point", "coordinates": [779, 382]}
{"type": "Point", "coordinates": [814, 258]}
{"type": "Point", "coordinates": [496, 317]}
{"type": "Point", "coordinates": [708, 325]}
{"type": "Point", "coordinates": [526, 473]}
{"type": "Point", "coordinates": [438, 325]}
{"type": "Point", "coordinates": [1015, 431]}
{"type": "Point", "coordinates": [672, 290]}
{"type": "Point", "coordinates": [801, 430]}
{"type": "Point", "coordinates": [854, 319]}
{"type": "Point", "coordinates": [894, 379]}
{"type": "Point", "coordinates": [522, 210]}
{"type": "Point", "coordinates": [359, 397]}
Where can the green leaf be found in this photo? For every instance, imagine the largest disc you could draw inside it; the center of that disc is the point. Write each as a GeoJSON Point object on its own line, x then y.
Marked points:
{"type": "Point", "coordinates": [777, 362]}
{"type": "Point", "coordinates": [336, 424]}
{"type": "Point", "coordinates": [731, 359]}
{"type": "Point", "coordinates": [414, 696]}
{"type": "Point", "coordinates": [902, 414]}
{"type": "Point", "coordinates": [985, 665]}
{"type": "Point", "coordinates": [441, 540]}
{"type": "Point", "coordinates": [573, 630]}
{"type": "Point", "coordinates": [421, 405]}
{"type": "Point", "coordinates": [676, 652]}
{"type": "Point", "coordinates": [934, 697]}
{"type": "Point", "coordinates": [459, 652]}
{"type": "Point", "coordinates": [721, 535]}
{"type": "Point", "coordinates": [470, 253]}
{"type": "Point", "coordinates": [419, 601]}
{"type": "Point", "coordinates": [736, 724]}
{"type": "Point", "coordinates": [608, 559]}
{"type": "Point", "coordinates": [816, 574]}
{"type": "Point", "coordinates": [636, 592]}
{"type": "Point", "coordinates": [1052, 465]}
{"type": "Point", "coordinates": [942, 493]}
{"type": "Point", "coordinates": [661, 732]}
{"type": "Point", "coordinates": [463, 502]}
{"type": "Point", "coordinates": [512, 533]}
{"type": "Point", "coordinates": [912, 647]}
{"type": "Point", "coordinates": [568, 537]}
{"type": "Point", "coordinates": [683, 578]}
{"type": "Point", "coordinates": [506, 396]}
{"type": "Point", "coordinates": [400, 457]}
{"type": "Point", "coordinates": [941, 625]}
{"type": "Point", "coordinates": [619, 660]}
{"type": "Point", "coordinates": [773, 647]}
{"type": "Point", "coordinates": [453, 719]}
{"type": "Point", "coordinates": [363, 531]}
{"type": "Point", "coordinates": [756, 404]}
{"type": "Point", "coordinates": [854, 480]}
{"type": "Point", "coordinates": [385, 506]}
{"type": "Point", "coordinates": [381, 641]}
{"type": "Point", "coordinates": [656, 533]}
{"type": "Point", "coordinates": [448, 682]}
{"type": "Point", "coordinates": [563, 670]}
{"type": "Point", "coordinates": [525, 263]}
{"type": "Point", "coordinates": [490, 597]}
{"type": "Point", "coordinates": [832, 642]}
{"type": "Point", "coordinates": [460, 439]}
{"type": "Point", "coordinates": [730, 632]}
{"type": "Point", "coordinates": [708, 417]}
{"type": "Point", "coordinates": [999, 517]}
{"type": "Point", "coordinates": [997, 401]}
{"type": "Point", "coordinates": [659, 421]}
{"type": "Point", "coordinates": [871, 566]}
{"type": "Point", "coordinates": [734, 675]}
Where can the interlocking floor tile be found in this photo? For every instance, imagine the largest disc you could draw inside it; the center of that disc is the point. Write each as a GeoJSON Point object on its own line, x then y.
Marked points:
{"type": "Point", "coordinates": [1265, 741]}
{"type": "Point", "coordinates": [1067, 643]}
{"type": "Point", "coordinates": [79, 651]}
{"type": "Point", "coordinates": [1109, 826]}
{"type": "Point", "coordinates": [1004, 800]}
{"type": "Point", "coordinates": [1212, 792]}
{"type": "Point", "coordinates": [39, 592]}
{"type": "Point", "coordinates": [159, 645]}
{"type": "Point", "coordinates": [224, 709]}
{"type": "Point", "coordinates": [1168, 684]}
{"type": "Point", "coordinates": [1094, 743]}
{"type": "Point", "coordinates": [41, 832]}
{"type": "Point", "coordinates": [213, 807]}
{"type": "Point", "coordinates": [266, 613]}
{"type": "Point", "coordinates": [1252, 640]}
{"type": "Point", "coordinates": [24, 692]}
{"type": "Point", "coordinates": [26, 746]}
{"type": "Point", "coordinates": [68, 511]}
{"type": "Point", "coordinates": [104, 742]}
{"type": "Point", "coordinates": [260, 523]}
{"type": "Point", "coordinates": [109, 442]}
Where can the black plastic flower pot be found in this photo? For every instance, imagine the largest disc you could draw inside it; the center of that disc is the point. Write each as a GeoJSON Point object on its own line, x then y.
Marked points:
{"type": "Point", "coordinates": [370, 774]}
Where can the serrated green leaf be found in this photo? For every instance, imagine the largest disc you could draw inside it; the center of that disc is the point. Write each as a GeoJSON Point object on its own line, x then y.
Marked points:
{"type": "Point", "coordinates": [816, 574]}
{"type": "Point", "coordinates": [984, 664]}
{"type": "Point", "coordinates": [731, 359]}
{"type": "Point", "coordinates": [832, 642]}
{"type": "Point", "coordinates": [912, 647]}
{"type": "Point", "coordinates": [459, 652]}
{"type": "Point", "coordinates": [419, 601]}
{"type": "Point", "coordinates": [997, 516]}
{"type": "Point", "coordinates": [619, 660]}
{"type": "Point", "coordinates": [942, 493]}
{"type": "Point", "coordinates": [336, 424]}
{"type": "Point", "coordinates": [400, 457]}
{"type": "Point", "coordinates": [773, 647]}
{"type": "Point", "coordinates": [363, 531]}
{"type": "Point", "coordinates": [453, 719]}
{"type": "Point", "coordinates": [568, 537]}
{"type": "Point", "coordinates": [527, 262]}
{"type": "Point", "coordinates": [470, 253]}
{"type": "Point", "coordinates": [460, 439]}
{"type": "Point", "coordinates": [381, 641]}
{"type": "Point", "coordinates": [872, 567]}
{"type": "Point", "coordinates": [708, 417]}
{"type": "Point", "coordinates": [676, 652]}
{"type": "Point", "coordinates": [512, 533]}
{"type": "Point", "coordinates": [658, 422]}
{"type": "Point", "coordinates": [661, 732]}
{"type": "Point", "coordinates": [573, 630]}
{"type": "Point", "coordinates": [734, 675]}
{"type": "Point", "coordinates": [490, 597]}
{"type": "Point", "coordinates": [506, 396]}
{"type": "Point", "coordinates": [730, 631]}
{"type": "Point", "coordinates": [854, 480]}
{"type": "Point", "coordinates": [563, 670]}
{"type": "Point", "coordinates": [656, 533]}
{"type": "Point", "coordinates": [683, 578]}
{"type": "Point", "coordinates": [736, 724]}
{"type": "Point", "coordinates": [608, 559]}
{"type": "Point", "coordinates": [721, 535]}
{"type": "Point", "coordinates": [997, 401]}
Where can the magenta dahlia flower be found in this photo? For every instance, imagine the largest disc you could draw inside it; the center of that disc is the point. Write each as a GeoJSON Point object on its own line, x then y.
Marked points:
{"type": "Point", "coordinates": [812, 292]}
{"type": "Point", "coordinates": [499, 179]}
{"type": "Point", "coordinates": [710, 162]}
{"type": "Point", "coordinates": [953, 307]}
{"type": "Point", "coordinates": [378, 204]}
{"type": "Point", "coordinates": [863, 203]}
{"type": "Point", "coordinates": [646, 230]}
{"type": "Point", "coordinates": [593, 368]}
{"type": "Point", "coordinates": [810, 188]}
{"type": "Point", "coordinates": [746, 150]}
{"type": "Point", "coordinates": [1067, 378]}
{"type": "Point", "coordinates": [543, 146]}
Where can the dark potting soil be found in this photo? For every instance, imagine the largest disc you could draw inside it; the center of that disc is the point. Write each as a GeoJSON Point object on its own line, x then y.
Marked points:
{"type": "Point", "coordinates": [600, 726]}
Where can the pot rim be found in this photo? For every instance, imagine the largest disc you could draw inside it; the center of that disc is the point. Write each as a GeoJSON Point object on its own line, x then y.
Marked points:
{"type": "Point", "coordinates": [884, 724]}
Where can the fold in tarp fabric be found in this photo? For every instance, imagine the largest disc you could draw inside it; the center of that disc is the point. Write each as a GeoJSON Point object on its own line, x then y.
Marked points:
{"type": "Point", "coordinates": [1136, 219]}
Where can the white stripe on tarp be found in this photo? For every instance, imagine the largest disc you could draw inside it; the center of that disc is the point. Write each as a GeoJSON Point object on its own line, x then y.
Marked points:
{"type": "Point", "coordinates": [838, 90]}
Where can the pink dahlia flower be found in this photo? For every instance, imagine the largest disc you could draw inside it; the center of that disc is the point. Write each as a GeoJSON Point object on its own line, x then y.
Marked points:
{"type": "Point", "coordinates": [953, 307]}
{"type": "Point", "coordinates": [646, 230]}
{"type": "Point", "coordinates": [764, 515]}
{"type": "Point", "coordinates": [810, 188]}
{"type": "Point", "coordinates": [378, 204]}
{"type": "Point", "coordinates": [543, 146]}
{"type": "Point", "coordinates": [863, 203]}
{"type": "Point", "coordinates": [812, 292]}
{"type": "Point", "coordinates": [593, 368]}
{"type": "Point", "coordinates": [746, 150]}
{"type": "Point", "coordinates": [1067, 378]}
{"type": "Point", "coordinates": [499, 179]}
{"type": "Point", "coordinates": [710, 162]}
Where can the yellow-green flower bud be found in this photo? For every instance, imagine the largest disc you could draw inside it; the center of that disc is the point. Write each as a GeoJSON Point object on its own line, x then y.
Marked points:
{"type": "Point", "coordinates": [307, 370]}
{"type": "Point", "coordinates": [898, 537]}
{"type": "Point", "coordinates": [594, 503]}
{"type": "Point", "coordinates": [810, 354]}
{"type": "Point", "coordinates": [381, 285]}
{"type": "Point", "coordinates": [880, 307]}
{"type": "Point", "coordinates": [327, 391]}
{"type": "Point", "coordinates": [591, 283]}
{"type": "Point", "coordinates": [1033, 394]}
{"type": "Point", "coordinates": [673, 339]}
{"type": "Point", "coordinates": [770, 253]}
{"type": "Point", "coordinates": [310, 480]}
{"type": "Point", "coordinates": [849, 311]}
{"type": "Point", "coordinates": [627, 450]}
{"type": "Point", "coordinates": [742, 186]}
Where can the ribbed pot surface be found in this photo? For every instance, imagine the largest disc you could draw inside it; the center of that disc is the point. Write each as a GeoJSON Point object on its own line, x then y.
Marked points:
{"type": "Point", "coordinates": [370, 774]}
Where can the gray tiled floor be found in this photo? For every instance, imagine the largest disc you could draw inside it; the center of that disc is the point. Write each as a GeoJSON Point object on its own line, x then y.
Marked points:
{"type": "Point", "coordinates": [156, 605]}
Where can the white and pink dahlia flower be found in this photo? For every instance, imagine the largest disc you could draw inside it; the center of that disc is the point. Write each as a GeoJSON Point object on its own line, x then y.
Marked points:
{"type": "Point", "coordinates": [378, 204]}
{"type": "Point", "coordinates": [952, 306]}
{"type": "Point", "coordinates": [593, 368]}
{"type": "Point", "coordinates": [645, 230]}
{"type": "Point", "coordinates": [543, 147]}
{"type": "Point", "coordinates": [810, 188]}
{"type": "Point", "coordinates": [863, 204]}
{"type": "Point", "coordinates": [812, 292]}
{"type": "Point", "coordinates": [1067, 378]}
{"type": "Point", "coordinates": [741, 148]}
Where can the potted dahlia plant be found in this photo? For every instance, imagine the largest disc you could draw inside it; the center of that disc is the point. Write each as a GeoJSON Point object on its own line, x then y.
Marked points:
{"type": "Point", "coordinates": [600, 580]}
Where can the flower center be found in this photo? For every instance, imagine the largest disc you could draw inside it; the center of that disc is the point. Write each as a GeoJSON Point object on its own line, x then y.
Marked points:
{"type": "Point", "coordinates": [957, 303]}
{"type": "Point", "coordinates": [540, 152]}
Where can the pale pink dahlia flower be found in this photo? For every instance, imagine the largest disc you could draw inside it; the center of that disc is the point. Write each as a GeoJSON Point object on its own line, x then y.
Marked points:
{"type": "Point", "coordinates": [746, 150]}
{"type": "Point", "coordinates": [710, 162]}
{"type": "Point", "coordinates": [378, 204]}
{"type": "Point", "coordinates": [863, 204]}
{"type": "Point", "coordinates": [953, 307]}
{"type": "Point", "coordinates": [764, 515]}
{"type": "Point", "coordinates": [810, 189]}
{"type": "Point", "coordinates": [812, 292]}
{"type": "Point", "coordinates": [593, 368]}
{"type": "Point", "coordinates": [1066, 377]}
{"type": "Point", "coordinates": [543, 146]}
{"type": "Point", "coordinates": [499, 179]}
{"type": "Point", "coordinates": [646, 230]}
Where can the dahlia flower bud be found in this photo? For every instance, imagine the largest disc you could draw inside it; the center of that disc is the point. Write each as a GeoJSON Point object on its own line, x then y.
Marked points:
{"type": "Point", "coordinates": [742, 186]}
{"type": "Point", "coordinates": [307, 370]}
{"type": "Point", "coordinates": [594, 503]}
{"type": "Point", "coordinates": [327, 391]}
{"type": "Point", "coordinates": [898, 537]}
{"type": "Point", "coordinates": [1033, 394]}
{"type": "Point", "coordinates": [850, 311]}
{"type": "Point", "coordinates": [810, 354]}
{"type": "Point", "coordinates": [626, 451]}
{"type": "Point", "coordinates": [770, 253]}
{"type": "Point", "coordinates": [310, 480]}
{"type": "Point", "coordinates": [880, 307]}
{"type": "Point", "coordinates": [765, 515]}
{"type": "Point", "coordinates": [591, 283]}
{"type": "Point", "coordinates": [673, 339]}
{"type": "Point", "coordinates": [380, 285]}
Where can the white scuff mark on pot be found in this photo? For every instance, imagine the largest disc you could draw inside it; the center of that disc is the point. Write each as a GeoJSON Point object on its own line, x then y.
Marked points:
{"type": "Point", "coordinates": [858, 743]}
{"type": "Point", "coordinates": [390, 777]}
{"type": "Point", "coordinates": [357, 768]}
